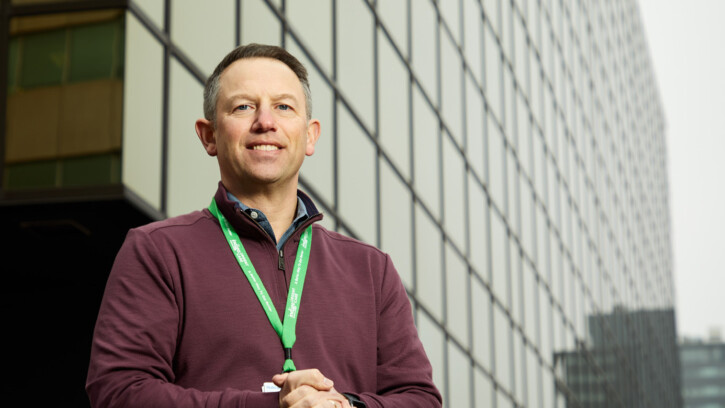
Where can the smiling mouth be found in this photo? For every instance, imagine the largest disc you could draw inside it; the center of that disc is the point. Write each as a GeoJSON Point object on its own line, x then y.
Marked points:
{"type": "Point", "coordinates": [265, 147]}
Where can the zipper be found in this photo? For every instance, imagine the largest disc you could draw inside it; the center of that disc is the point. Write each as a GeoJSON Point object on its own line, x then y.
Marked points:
{"type": "Point", "coordinates": [280, 254]}
{"type": "Point", "coordinates": [307, 223]}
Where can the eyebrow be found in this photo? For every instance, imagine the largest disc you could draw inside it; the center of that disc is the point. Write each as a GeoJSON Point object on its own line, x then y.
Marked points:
{"type": "Point", "coordinates": [277, 97]}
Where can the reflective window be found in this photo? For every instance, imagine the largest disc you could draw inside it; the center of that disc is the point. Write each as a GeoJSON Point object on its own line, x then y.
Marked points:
{"type": "Point", "coordinates": [259, 23]}
{"type": "Point", "coordinates": [357, 181]}
{"type": "Point", "coordinates": [499, 257]}
{"type": "Point", "coordinates": [429, 268]}
{"type": "Point", "coordinates": [394, 15]}
{"type": "Point", "coordinates": [457, 297]}
{"type": "Point", "coordinates": [472, 37]}
{"type": "Point", "coordinates": [482, 328]}
{"type": "Point", "coordinates": [496, 169]}
{"type": "Point", "coordinates": [355, 61]}
{"type": "Point", "coordinates": [426, 146]}
{"type": "Point", "coordinates": [483, 390]}
{"type": "Point", "coordinates": [459, 378]}
{"type": "Point", "coordinates": [502, 348]}
{"type": "Point", "coordinates": [394, 107]}
{"type": "Point", "coordinates": [494, 75]}
{"type": "Point", "coordinates": [395, 223]}
{"type": "Point", "coordinates": [454, 181]}
{"type": "Point", "coordinates": [423, 35]}
{"type": "Point", "coordinates": [478, 214]}
{"type": "Point", "coordinates": [70, 68]}
{"type": "Point", "coordinates": [451, 88]}
{"type": "Point", "coordinates": [433, 341]}
{"type": "Point", "coordinates": [475, 117]}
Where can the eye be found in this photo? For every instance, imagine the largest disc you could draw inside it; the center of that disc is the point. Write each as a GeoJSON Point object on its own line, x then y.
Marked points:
{"type": "Point", "coordinates": [243, 107]}
{"type": "Point", "coordinates": [284, 107]}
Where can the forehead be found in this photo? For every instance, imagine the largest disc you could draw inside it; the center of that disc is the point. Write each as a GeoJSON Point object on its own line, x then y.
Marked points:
{"type": "Point", "coordinates": [253, 75]}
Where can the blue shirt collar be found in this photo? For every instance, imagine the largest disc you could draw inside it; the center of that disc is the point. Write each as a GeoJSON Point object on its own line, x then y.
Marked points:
{"type": "Point", "coordinates": [263, 222]}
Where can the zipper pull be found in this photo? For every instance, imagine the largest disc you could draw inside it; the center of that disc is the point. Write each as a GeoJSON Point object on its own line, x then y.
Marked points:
{"type": "Point", "coordinates": [280, 261]}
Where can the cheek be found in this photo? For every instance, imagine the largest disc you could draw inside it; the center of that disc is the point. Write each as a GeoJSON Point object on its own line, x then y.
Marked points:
{"type": "Point", "coordinates": [228, 151]}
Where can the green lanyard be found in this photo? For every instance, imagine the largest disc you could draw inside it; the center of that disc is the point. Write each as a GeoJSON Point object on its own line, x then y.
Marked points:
{"type": "Point", "coordinates": [285, 332]}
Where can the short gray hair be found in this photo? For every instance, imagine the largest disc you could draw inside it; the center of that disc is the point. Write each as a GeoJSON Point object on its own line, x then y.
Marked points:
{"type": "Point", "coordinates": [211, 88]}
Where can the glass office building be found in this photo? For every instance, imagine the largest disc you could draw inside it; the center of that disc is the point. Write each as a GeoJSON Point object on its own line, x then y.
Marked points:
{"type": "Point", "coordinates": [509, 154]}
{"type": "Point", "coordinates": [703, 373]}
{"type": "Point", "coordinates": [639, 369]}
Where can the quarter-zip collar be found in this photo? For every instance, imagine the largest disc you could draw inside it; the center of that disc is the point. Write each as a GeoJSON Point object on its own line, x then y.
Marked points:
{"type": "Point", "coordinates": [247, 228]}
{"type": "Point", "coordinates": [261, 219]}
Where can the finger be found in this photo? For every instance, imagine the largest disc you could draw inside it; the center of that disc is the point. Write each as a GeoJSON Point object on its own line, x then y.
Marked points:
{"type": "Point", "coordinates": [342, 404]}
{"type": "Point", "coordinates": [279, 379]}
{"type": "Point", "coordinates": [306, 396]}
{"type": "Point", "coordinates": [298, 396]}
{"type": "Point", "coordinates": [335, 403]}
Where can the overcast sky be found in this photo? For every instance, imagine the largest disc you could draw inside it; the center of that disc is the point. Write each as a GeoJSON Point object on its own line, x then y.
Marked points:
{"type": "Point", "coordinates": [687, 44]}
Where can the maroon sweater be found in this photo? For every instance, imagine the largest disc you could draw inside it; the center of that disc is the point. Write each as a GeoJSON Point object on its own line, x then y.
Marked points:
{"type": "Point", "coordinates": [180, 326]}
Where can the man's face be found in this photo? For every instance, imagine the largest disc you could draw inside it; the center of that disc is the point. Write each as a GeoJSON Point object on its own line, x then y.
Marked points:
{"type": "Point", "coordinates": [262, 134]}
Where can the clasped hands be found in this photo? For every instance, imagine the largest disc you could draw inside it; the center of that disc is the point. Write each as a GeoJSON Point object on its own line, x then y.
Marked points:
{"type": "Point", "coordinates": [308, 389]}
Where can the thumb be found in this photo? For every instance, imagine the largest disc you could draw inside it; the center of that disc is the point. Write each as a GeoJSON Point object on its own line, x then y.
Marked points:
{"type": "Point", "coordinates": [279, 379]}
{"type": "Point", "coordinates": [311, 377]}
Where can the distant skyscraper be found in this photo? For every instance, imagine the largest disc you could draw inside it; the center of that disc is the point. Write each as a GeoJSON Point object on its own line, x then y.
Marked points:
{"type": "Point", "coordinates": [632, 362]}
{"type": "Point", "coordinates": [703, 374]}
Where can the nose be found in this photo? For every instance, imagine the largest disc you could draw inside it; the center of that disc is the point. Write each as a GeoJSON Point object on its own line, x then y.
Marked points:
{"type": "Point", "coordinates": [264, 121]}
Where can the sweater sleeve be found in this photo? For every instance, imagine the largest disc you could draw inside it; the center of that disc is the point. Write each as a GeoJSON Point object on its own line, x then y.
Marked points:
{"type": "Point", "coordinates": [404, 374]}
{"type": "Point", "coordinates": [135, 338]}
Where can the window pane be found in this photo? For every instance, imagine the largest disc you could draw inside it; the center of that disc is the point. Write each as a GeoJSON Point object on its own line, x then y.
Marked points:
{"type": "Point", "coordinates": [357, 178]}
{"type": "Point", "coordinates": [429, 277]}
{"type": "Point", "coordinates": [493, 73]}
{"type": "Point", "coordinates": [93, 51]}
{"type": "Point", "coordinates": [482, 331]}
{"type": "Point", "coordinates": [395, 222]}
{"type": "Point", "coordinates": [484, 389]}
{"type": "Point", "coordinates": [64, 66]}
{"type": "Point", "coordinates": [499, 255]}
{"type": "Point", "coordinates": [394, 94]}
{"type": "Point", "coordinates": [474, 128]}
{"type": "Point", "coordinates": [453, 193]}
{"type": "Point", "coordinates": [473, 24]}
{"type": "Point", "coordinates": [423, 18]}
{"type": "Point", "coordinates": [355, 57]}
{"type": "Point", "coordinates": [427, 153]}
{"type": "Point", "coordinates": [502, 334]}
{"type": "Point", "coordinates": [394, 16]}
{"type": "Point", "coordinates": [95, 170]}
{"type": "Point", "coordinates": [478, 213]}
{"type": "Point", "coordinates": [451, 85]}
{"type": "Point", "coordinates": [496, 169]}
{"type": "Point", "coordinates": [433, 342]}
{"type": "Point", "coordinates": [457, 284]}
{"type": "Point", "coordinates": [459, 378]}
{"type": "Point", "coordinates": [43, 59]}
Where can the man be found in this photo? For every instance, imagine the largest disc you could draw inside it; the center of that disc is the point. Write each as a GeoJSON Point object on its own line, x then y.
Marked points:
{"type": "Point", "coordinates": [202, 309]}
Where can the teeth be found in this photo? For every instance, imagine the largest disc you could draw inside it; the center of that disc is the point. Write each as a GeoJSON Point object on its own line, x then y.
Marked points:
{"type": "Point", "coordinates": [265, 147]}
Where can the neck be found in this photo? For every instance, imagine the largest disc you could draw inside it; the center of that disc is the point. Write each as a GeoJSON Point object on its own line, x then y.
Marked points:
{"type": "Point", "coordinates": [279, 206]}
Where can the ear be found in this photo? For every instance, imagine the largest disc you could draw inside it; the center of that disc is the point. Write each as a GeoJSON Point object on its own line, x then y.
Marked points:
{"type": "Point", "coordinates": [205, 131]}
{"type": "Point", "coordinates": [313, 133]}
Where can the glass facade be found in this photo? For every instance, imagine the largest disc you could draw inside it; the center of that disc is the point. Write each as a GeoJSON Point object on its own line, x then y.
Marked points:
{"type": "Point", "coordinates": [64, 99]}
{"type": "Point", "coordinates": [703, 374]}
{"type": "Point", "coordinates": [509, 154]}
{"type": "Point", "coordinates": [640, 369]}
